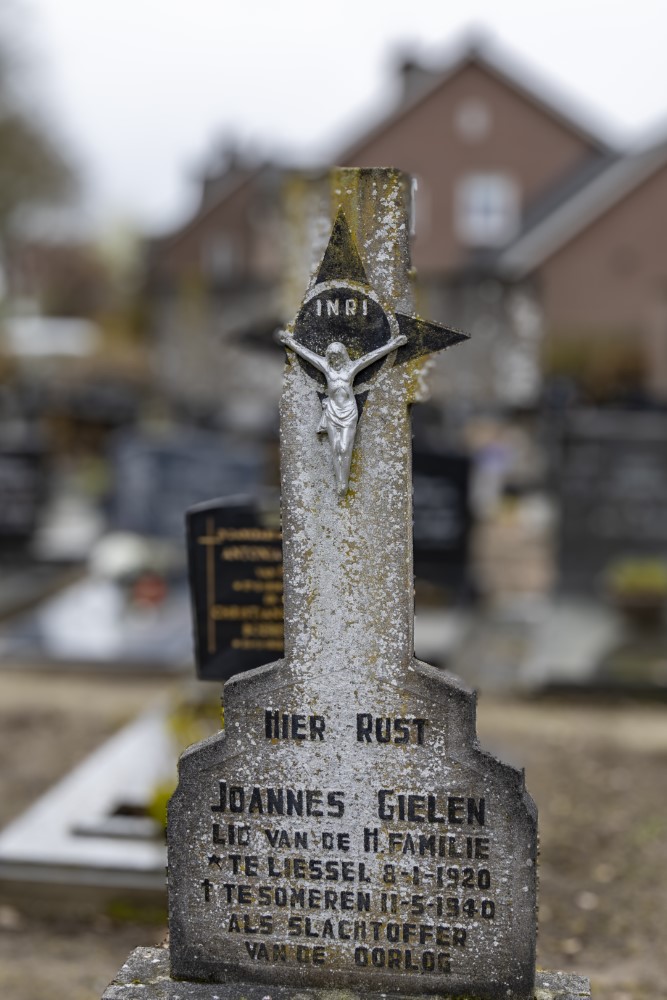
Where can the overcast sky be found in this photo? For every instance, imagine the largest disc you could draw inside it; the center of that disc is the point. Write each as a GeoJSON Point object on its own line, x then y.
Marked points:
{"type": "Point", "coordinates": [142, 89]}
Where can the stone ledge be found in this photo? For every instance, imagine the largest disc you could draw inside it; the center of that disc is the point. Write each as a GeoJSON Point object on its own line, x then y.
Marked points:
{"type": "Point", "coordinates": [145, 976]}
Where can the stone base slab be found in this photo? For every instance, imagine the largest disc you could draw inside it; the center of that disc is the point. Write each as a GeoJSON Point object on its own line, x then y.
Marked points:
{"type": "Point", "coordinates": [145, 976]}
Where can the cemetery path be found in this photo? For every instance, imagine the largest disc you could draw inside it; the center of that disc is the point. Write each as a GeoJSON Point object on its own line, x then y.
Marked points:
{"type": "Point", "coordinates": [597, 772]}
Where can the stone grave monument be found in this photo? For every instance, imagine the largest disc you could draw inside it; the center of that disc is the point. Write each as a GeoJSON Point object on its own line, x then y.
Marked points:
{"type": "Point", "coordinates": [612, 486]}
{"type": "Point", "coordinates": [235, 561]}
{"type": "Point", "coordinates": [345, 834]}
{"type": "Point", "coordinates": [442, 517]}
{"type": "Point", "coordinates": [157, 476]}
{"type": "Point", "coordinates": [23, 492]}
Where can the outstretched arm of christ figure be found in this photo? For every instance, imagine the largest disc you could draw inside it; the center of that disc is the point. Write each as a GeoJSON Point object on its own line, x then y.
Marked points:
{"type": "Point", "coordinates": [387, 348]}
{"type": "Point", "coordinates": [315, 359]}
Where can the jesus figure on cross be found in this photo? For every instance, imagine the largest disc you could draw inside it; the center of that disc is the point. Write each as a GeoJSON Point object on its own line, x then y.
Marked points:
{"type": "Point", "coordinates": [339, 407]}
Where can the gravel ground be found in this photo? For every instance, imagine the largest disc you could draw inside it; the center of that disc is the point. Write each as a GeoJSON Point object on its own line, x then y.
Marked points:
{"type": "Point", "coordinates": [596, 770]}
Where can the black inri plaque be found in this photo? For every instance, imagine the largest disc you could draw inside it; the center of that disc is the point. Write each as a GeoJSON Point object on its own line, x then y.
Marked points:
{"type": "Point", "coordinates": [236, 582]}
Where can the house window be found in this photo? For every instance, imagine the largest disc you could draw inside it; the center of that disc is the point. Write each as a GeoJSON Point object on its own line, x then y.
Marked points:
{"type": "Point", "coordinates": [219, 255]}
{"type": "Point", "coordinates": [472, 119]}
{"type": "Point", "coordinates": [486, 210]}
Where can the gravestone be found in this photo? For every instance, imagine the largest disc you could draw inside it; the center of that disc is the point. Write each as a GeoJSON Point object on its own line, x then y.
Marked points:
{"type": "Point", "coordinates": [442, 517]}
{"type": "Point", "coordinates": [235, 560]}
{"type": "Point", "coordinates": [345, 831]}
{"type": "Point", "coordinates": [23, 491]}
{"type": "Point", "coordinates": [157, 477]}
{"type": "Point", "coordinates": [612, 484]}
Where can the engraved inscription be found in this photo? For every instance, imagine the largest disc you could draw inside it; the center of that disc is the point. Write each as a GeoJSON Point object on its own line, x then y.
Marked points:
{"type": "Point", "coordinates": [412, 890]}
{"type": "Point", "coordinates": [388, 730]}
{"type": "Point", "coordinates": [257, 612]}
{"type": "Point", "coordinates": [349, 307]}
{"type": "Point", "coordinates": [293, 726]}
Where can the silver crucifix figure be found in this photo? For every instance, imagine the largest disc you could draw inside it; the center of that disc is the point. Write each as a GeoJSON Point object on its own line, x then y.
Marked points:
{"type": "Point", "coordinates": [340, 413]}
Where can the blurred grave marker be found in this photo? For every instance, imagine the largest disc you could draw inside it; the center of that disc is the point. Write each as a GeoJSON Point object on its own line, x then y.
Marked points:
{"type": "Point", "coordinates": [156, 478]}
{"type": "Point", "coordinates": [236, 581]}
{"type": "Point", "coordinates": [612, 483]}
{"type": "Point", "coordinates": [442, 517]}
{"type": "Point", "coordinates": [23, 486]}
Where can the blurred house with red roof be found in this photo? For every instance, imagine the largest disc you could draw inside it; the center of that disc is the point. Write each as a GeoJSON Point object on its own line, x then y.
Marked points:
{"type": "Point", "coordinates": [532, 233]}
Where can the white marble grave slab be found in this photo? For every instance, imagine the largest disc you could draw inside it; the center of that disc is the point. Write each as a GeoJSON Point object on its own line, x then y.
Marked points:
{"type": "Point", "coordinates": [71, 835]}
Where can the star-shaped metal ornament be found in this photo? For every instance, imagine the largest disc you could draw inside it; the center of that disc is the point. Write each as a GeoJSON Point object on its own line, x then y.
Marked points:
{"type": "Point", "coordinates": [343, 336]}
{"type": "Point", "coordinates": [341, 271]}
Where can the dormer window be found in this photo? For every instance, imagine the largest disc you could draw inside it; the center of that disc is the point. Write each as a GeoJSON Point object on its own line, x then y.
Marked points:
{"type": "Point", "coordinates": [219, 257]}
{"type": "Point", "coordinates": [486, 209]}
{"type": "Point", "coordinates": [472, 119]}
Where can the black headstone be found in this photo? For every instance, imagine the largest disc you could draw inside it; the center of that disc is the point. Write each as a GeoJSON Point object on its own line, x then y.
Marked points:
{"type": "Point", "coordinates": [158, 477]}
{"type": "Point", "coordinates": [236, 582]}
{"type": "Point", "coordinates": [612, 483]}
{"type": "Point", "coordinates": [23, 485]}
{"type": "Point", "coordinates": [442, 518]}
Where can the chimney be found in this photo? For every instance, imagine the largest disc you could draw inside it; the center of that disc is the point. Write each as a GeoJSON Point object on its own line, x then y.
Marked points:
{"type": "Point", "coordinates": [415, 78]}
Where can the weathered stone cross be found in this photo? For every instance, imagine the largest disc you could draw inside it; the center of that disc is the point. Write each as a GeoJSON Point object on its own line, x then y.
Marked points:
{"type": "Point", "coordinates": [343, 315]}
{"type": "Point", "coordinates": [345, 830]}
{"type": "Point", "coordinates": [348, 552]}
